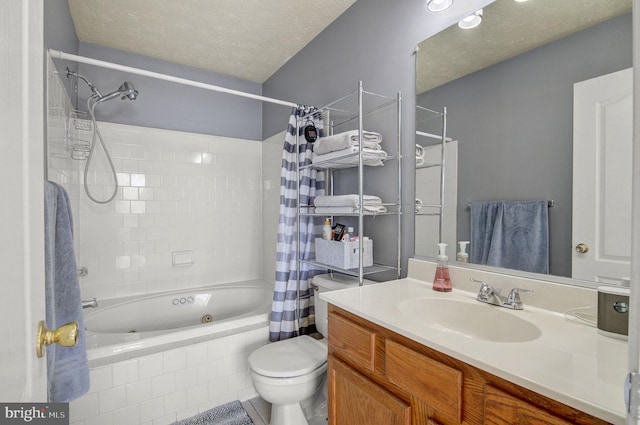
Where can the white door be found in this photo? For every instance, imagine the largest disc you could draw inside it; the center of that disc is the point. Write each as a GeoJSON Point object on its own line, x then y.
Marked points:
{"type": "Point", "coordinates": [602, 159]}
{"type": "Point", "coordinates": [22, 374]}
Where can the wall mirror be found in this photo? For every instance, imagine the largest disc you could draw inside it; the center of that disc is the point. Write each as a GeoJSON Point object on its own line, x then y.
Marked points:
{"type": "Point", "coordinates": [508, 89]}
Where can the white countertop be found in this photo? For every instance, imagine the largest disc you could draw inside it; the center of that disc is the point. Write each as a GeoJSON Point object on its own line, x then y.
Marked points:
{"type": "Point", "coordinates": [570, 362]}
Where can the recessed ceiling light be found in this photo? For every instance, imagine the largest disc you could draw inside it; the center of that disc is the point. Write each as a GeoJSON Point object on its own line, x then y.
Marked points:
{"type": "Point", "coordinates": [438, 5]}
{"type": "Point", "coordinates": [471, 21]}
{"type": "Point", "coordinates": [519, 1]}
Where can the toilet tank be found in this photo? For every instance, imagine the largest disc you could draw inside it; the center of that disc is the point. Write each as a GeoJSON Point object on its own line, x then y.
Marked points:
{"type": "Point", "coordinates": [329, 282]}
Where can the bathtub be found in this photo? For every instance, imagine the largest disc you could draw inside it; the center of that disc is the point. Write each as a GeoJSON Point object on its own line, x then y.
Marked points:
{"type": "Point", "coordinates": [127, 328]}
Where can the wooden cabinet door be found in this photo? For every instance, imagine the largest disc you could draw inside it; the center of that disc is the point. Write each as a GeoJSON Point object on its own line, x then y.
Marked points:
{"type": "Point", "coordinates": [355, 400]}
{"type": "Point", "coordinates": [501, 408]}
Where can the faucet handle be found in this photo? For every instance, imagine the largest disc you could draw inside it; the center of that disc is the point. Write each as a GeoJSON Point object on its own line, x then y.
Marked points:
{"type": "Point", "coordinates": [485, 286]}
{"type": "Point", "coordinates": [514, 297]}
{"type": "Point", "coordinates": [486, 291]}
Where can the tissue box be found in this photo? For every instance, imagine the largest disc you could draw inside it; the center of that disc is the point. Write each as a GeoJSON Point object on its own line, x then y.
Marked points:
{"type": "Point", "coordinates": [344, 255]}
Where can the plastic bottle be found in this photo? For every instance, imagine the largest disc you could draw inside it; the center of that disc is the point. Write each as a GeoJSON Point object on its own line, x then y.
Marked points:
{"type": "Point", "coordinates": [462, 256]}
{"type": "Point", "coordinates": [442, 281]}
{"type": "Point", "coordinates": [347, 236]}
{"type": "Point", "coordinates": [326, 229]}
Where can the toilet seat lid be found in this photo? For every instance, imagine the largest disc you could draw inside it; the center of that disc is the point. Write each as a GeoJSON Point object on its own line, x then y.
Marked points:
{"type": "Point", "coordinates": [289, 358]}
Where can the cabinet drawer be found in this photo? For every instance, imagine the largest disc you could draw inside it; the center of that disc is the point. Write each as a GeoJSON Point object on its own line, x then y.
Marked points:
{"type": "Point", "coordinates": [352, 342]}
{"type": "Point", "coordinates": [501, 408]}
{"type": "Point", "coordinates": [435, 383]}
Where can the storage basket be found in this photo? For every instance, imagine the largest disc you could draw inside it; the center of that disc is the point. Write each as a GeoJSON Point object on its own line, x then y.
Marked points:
{"type": "Point", "coordinates": [344, 255]}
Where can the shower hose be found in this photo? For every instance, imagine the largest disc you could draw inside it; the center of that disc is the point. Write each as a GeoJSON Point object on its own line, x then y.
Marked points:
{"type": "Point", "coordinates": [97, 135]}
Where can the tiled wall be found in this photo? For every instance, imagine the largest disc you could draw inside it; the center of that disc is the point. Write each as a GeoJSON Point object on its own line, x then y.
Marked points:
{"type": "Point", "coordinates": [179, 192]}
{"type": "Point", "coordinates": [196, 195]}
{"type": "Point", "coordinates": [162, 388]}
{"type": "Point", "coordinates": [62, 141]}
{"type": "Point", "coordinates": [271, 169]}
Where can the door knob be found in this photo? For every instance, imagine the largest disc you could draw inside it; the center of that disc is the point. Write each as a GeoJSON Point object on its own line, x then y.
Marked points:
{"type": "Point", "coordinates": [582, 248]}
{"type": "Point", "coordinates": [66, 335]}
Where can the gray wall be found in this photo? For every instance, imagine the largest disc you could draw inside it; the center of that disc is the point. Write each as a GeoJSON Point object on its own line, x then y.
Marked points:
{"type": "Point", "coordinates": [172, 106]}
{"type": "Point", "coordinates": [514, 124]}
{"type": "Point", "coordinates": [373, 41]}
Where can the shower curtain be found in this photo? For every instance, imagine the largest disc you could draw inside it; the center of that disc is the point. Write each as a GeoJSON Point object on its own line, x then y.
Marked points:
{"type": "Point", "coordinates": [292, 308]}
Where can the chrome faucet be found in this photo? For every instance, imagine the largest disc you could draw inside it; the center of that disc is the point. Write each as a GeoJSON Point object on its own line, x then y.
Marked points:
{"type": "Point", "coordinates": [490, 295]}
{"type": "Point", "coordinates": [92, 303]}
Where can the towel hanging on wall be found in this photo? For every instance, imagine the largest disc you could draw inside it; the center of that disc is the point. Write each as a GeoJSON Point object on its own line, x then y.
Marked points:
{"type": "Point", "coordinates": [511, 234]}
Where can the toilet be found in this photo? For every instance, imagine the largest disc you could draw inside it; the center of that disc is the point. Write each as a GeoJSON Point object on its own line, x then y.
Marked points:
{"type": "Point", "coordinates": [286, 373]}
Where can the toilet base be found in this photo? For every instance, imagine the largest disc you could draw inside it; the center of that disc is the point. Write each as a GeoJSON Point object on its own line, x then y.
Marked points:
{"type": "Point", "coordinates": [287, 414]}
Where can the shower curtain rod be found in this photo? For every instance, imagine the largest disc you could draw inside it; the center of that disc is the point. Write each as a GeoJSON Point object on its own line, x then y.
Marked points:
{"type": "Point", "coordinates": [57, 54]}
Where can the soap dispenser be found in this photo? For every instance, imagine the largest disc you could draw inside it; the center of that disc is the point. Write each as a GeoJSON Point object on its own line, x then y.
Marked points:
{"type": "Point", "coordinates": [462, 256]}
{"type": "Point", "coordinates": [442, 281]}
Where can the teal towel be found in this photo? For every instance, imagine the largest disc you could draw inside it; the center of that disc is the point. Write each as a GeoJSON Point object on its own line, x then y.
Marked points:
{"type": "Point", "coordinates": [67, 367]}
{"type": "Point", "coordinates": [511, 234]}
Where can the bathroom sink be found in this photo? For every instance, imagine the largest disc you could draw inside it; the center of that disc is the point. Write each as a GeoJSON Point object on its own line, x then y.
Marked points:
{"type": "Point", "coordinates": [472, 320]}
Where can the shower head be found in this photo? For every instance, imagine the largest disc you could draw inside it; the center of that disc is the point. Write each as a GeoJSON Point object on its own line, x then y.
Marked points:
{"type": "Point", "coordinates": [125, 91]}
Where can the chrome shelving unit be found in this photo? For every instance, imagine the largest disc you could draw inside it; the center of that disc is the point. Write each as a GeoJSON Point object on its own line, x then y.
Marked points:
{"type": "Point", "coordinates": [350, 113]}
{"type": "Point", "coordinates": [424, 117]}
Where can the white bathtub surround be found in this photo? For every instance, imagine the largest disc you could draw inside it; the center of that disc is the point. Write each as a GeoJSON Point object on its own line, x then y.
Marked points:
{"type": "Point", "coordinates": [180, 192]}
{"type": "Point", "coordinates": [568, 361]}
{"type": "Point", "coordinates": [172, 385]}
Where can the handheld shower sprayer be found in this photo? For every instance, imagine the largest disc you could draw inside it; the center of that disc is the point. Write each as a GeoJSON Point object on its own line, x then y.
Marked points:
{"type": "Point", "coordinates": [125, 91]}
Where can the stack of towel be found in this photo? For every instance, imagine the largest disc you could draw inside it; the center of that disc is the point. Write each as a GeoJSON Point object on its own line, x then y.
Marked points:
{"type": "Point", "coordinates": [348, 204]}
{"type": "Point", "coordinates": [341, 147]}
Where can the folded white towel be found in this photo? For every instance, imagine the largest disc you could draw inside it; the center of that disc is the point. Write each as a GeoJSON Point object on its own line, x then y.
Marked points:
{"type": "Point", "coordinates": [336, 142]}
{"type": "Point", "coordinates": [348, 158]}
{"type": "Point", "coordinates": [367, 209]}
{"type": "Point", "coordinates": [352, 201]}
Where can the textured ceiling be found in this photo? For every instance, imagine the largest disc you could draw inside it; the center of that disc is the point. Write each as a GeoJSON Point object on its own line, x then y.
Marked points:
{"type": "Point", "coordinates": [248, 39]}
{"type": "Point", "coordinates": [508, 29]}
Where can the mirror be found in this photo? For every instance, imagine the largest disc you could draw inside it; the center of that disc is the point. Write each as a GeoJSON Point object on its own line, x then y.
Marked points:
{"type": "Point", "coordinates": [508, 86]}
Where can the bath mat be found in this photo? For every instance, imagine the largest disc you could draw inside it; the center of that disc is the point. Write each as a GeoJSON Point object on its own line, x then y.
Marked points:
{"type": "Point", "coordinates": [227, 414]}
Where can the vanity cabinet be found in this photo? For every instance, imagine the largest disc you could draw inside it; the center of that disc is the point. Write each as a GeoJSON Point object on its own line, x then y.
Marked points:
{"type": "Point", "coordinates": [377, 376]}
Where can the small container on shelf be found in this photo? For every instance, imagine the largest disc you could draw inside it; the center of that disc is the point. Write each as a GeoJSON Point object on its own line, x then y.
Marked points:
{"type": "Point", "coordinates": [344, 255]}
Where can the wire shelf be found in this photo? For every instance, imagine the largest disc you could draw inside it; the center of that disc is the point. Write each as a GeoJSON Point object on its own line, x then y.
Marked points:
{"type": "Point", "coordinates": [346, 109]}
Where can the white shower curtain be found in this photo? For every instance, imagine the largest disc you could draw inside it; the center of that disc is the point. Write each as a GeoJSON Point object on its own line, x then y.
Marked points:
{"type": "Point", "coordinates": [292, 310]}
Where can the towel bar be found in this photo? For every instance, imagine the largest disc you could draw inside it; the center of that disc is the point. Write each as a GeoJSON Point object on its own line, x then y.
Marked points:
{"type": "Point", "coordinates": [550, 203]}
